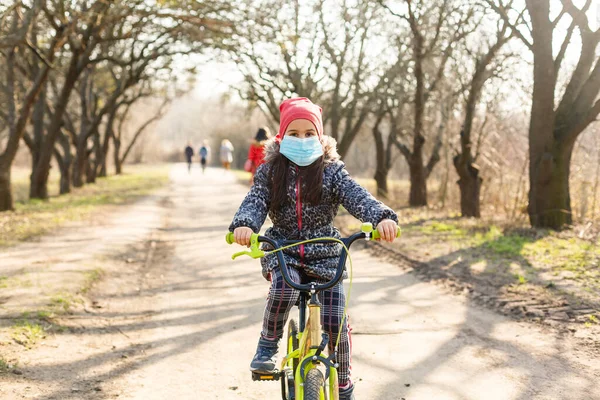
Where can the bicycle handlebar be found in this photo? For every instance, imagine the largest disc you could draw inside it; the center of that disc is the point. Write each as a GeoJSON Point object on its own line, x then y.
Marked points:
{"type": "Point", "coordinates": [367, 231]}
{"type": "Point", "coordinates": [230, 239]}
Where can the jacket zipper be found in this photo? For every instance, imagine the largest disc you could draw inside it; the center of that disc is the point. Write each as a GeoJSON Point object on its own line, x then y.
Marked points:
{"type": "Point", "coordinates": [299, 212]}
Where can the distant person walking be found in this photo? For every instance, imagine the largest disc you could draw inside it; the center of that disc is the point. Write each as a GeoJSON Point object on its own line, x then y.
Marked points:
{"type": "Point", "coordinates": [189, 153]}
{"type": "Point", "coordinates": [204, 154]}
{"type": "Point", "coordinates": [256, 154]}
{"type": "Point", "coordinates": [226, 153]}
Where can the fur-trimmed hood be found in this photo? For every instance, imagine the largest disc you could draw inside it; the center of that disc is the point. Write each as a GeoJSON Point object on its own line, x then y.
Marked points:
{"type": "Point", "coordinates": [329, 150]}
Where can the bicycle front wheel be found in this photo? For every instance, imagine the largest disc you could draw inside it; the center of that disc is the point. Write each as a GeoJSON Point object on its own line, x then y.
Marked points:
{"type": "Point", "coordinates": [314, 385]}
{"type": "Point", "coordinates": [293, 341]}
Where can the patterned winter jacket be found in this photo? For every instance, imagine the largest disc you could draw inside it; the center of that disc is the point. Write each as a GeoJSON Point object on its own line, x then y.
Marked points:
{"type": "Point", "coordinates": [295, 220]}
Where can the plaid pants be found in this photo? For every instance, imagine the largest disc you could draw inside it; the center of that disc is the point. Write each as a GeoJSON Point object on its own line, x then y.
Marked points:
{"type": "Point", "coordinates": [282, 298]}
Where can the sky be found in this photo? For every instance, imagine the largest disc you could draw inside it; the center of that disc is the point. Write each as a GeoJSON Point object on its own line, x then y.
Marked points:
{"type": "Point", "coordinates": [216, 78]}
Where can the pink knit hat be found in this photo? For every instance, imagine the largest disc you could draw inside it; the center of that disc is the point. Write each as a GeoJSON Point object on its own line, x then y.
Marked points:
{"type": "Point", "coordinates": [299, 108]}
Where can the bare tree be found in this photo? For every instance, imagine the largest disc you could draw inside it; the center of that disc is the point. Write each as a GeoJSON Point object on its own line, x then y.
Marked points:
{"type": "Point", "coordinates": [389, 108]}
{"type": "Point", "coordinates": [19, 108]}
{"type": "Point", "coordinates": [435, 28]}
{"type": "Point", "coordinates": [326, 63]}
{"type": "Point", "coordinates": [82, 43]}
{"type": "Point", "coordinates": [556, 125]}
{"type": "Point", "coordinates": [131, 37]}
{"type": "Point", "coordinates": [465, 160]}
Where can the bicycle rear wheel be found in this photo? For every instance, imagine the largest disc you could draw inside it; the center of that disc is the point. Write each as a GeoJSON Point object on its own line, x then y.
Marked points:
{"type": "Point", "coordinates": [314, 385]}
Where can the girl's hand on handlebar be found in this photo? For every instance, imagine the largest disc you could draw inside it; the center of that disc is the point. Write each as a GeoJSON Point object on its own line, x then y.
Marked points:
{"type": "Point", "coordinates": [387, 229]}
{"type": "Point", "coordinates": [242, 235]}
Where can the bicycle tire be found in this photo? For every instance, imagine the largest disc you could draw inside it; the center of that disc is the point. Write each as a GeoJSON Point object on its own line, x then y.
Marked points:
{"type": "Point", "coordinates": [293, 334]}
{"type": "Point", "coordinates": [313, 384]}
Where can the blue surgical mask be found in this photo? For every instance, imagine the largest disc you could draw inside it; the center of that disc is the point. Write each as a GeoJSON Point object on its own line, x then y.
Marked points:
{"type": "Point", "coordinates": [301, 152]}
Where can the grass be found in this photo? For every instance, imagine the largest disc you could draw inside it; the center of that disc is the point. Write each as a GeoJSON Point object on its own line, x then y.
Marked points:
{"type": "Point", "coordinates": [35, 217]}
{"type": "Point", "coordinates": [571, 254]}
{"type": "Point", "coordinates": [27, 332]}
{"type": "Point", "coordinates": [33, 326]}
{"type": "Point", "coordinates": [5, 366]}
{"type": "Point", "coordinates": [44, 315]}
{"type": "Point", "coordinates": [572, 257]}
{"type": "Point", "coordinates": [506, 245]}
{"type": "Point", "coordinates": [521, 279]}
{"type": "Point", "coordinates": [91, 277]}
{"type": "Point", "coordinates": [61, 303]}
{"type": "Point", "coordinates": [22, 280]}
{"type": "Point", "coordinates": [441, 227]}
{"type": "Point", "coordinates": [507, 254]}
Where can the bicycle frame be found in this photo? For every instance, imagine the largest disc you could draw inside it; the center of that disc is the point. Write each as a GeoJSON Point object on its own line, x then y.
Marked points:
{"type": "Point", "coordinates": [311, 340]}
{"type": "Point", "coordinates": [308, 352]}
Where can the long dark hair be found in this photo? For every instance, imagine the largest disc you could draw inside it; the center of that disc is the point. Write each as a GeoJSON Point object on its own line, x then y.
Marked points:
{"type": "Point", "coordinates": [261, 135]}
{"type": "Point", "coordinates": [311, 177]}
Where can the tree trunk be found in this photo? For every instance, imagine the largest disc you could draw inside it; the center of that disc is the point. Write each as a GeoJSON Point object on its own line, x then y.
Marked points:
{"type": "Point", "coordinates": [38, 188]}
{"type": "Point", "coordinates": [38, 136]}
{"type": "Point", "coordinates": [39, 177]}
{"type": "Point", "coordinates": [549, 202]}
{"type": "Point", "coordinates": [17, 131]}
{"type": "Point", "coordinates": [444, 187]}
{"type": "Point", "coordinates": [418, 175]}
{"type": "Point", "coordinates": [90, 171]}
{"type": "Point", "coordinates": [6, 200]}
{"type": "Point", "coordinates": [65, 169]}
{"type": "Point", "coordinates": [80, 163]}
{"type": "Point", "coordinates": [469, 183]}
{"type": "Point", "coordinates": [103, 171]}
{"type": "Point", "coordinates": [65, 180]}
{"type": "Point", "coordinates": [382, 183]}
{"type": "Point", "coordinates": [381, 170]}
{"type": "Point", "coordinates": [92, 165]}
{"type": "Point", "coordinates": [65, 175]}
{"type": "Point", "coordinates": [549, 198]}
{"type": "Point", "coordinates": [63, 165]}
{"type": "Point", "coordinates": [106, 143]}
{"type": "Point", "coordinates": [117, 155]}
{"type": "Point", "coordinates": [37, 117]}
{"type": "Point", "coordinates": [418, 182]}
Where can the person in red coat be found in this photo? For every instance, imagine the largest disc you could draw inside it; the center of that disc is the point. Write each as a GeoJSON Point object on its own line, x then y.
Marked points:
{"type": "Point", "coordinates": [256, 153]}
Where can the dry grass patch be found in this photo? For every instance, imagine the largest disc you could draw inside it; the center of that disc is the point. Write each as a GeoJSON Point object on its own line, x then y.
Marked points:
{"type": "Point", "coordinates": [35, 217]}
{"type": "Point", "coordinates": [498, 257]}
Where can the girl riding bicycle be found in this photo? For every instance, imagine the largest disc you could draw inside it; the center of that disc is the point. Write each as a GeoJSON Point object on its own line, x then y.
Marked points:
{"type": "Point", "coordinates": [301, 186]}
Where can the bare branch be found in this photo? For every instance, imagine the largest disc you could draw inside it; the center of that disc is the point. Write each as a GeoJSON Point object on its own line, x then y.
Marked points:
{"type": "Point", "coordinates": [563, 47]}
{"type": "Point", "coordinates": [435, 156]}
{"type": "Point", "coordinates": [143, 127]}
{"type": "Point", "coordinates": [403, 148]}
{"type": "Point", "coordinates": [504, 15]}
{"type": "Point", "coordinates": [578, 15]}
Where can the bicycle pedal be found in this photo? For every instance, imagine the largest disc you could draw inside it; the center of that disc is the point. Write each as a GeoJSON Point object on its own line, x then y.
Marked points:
{"type": "Point", "coordinates": [260, 376]}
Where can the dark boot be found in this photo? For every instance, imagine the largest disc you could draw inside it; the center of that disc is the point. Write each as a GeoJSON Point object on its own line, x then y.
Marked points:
{"type": "Point", "coordinates": [265, 358]}
{"type": "Point", "coordinates": [347, 394]}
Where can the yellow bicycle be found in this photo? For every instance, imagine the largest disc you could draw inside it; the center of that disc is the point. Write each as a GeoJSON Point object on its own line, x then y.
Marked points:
{"type": "Point", "coordinates": [306, 374]}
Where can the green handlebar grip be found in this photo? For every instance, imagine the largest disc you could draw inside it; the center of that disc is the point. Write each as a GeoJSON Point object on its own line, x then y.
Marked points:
{"type": "Point", "coordinates": [255, 251]}
{"type": "Point", "coordinates": [375, 234]}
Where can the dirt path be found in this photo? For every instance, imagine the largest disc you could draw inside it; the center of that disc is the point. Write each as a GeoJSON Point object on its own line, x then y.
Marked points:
{"type": "Point", "coordinates": [175, 318]}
